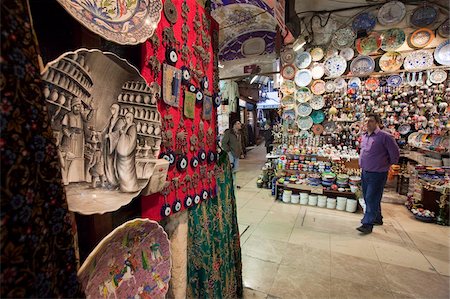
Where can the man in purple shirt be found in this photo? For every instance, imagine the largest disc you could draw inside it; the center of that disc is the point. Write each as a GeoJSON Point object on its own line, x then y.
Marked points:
{"type": "Point", "coordinates": [378, 152]}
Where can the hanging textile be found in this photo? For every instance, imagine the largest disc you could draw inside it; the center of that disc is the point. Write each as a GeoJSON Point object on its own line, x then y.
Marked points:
{"type": "Point", "coordinates": [37, 250]}
{"type": "Point", "coordinates": [214, 252]}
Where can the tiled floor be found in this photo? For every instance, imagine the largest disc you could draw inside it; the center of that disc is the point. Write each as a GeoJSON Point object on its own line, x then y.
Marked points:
{"type": "Point", "coordinates": [293, 251]}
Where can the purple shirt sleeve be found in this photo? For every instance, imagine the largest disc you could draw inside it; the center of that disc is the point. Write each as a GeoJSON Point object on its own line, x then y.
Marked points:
{"type": "Point", "coordinates": [392, 148]}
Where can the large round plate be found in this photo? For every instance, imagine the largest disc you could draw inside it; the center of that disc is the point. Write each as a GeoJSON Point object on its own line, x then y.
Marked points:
{"type": "Point", "coordinates": [288, 115]}
{"type": "Point", "coordinates": [354, 82]}
{"type": "Point", "coordinates": [347, 53]}
{"type": "Point", "coordinates": [317, 70]}
{"type": "Point", "coordinates": [421, 38]}
{"type": "Point", "coordinates": [318, 116]}
{"type": "Point", "coordinates": [126, 25]}
{"type": "Point", "coordinates": [288, 56]}
{"type": "Point", "coordinates": [391, 13]}
{"type": "Point", "coordinates": [392, 39]}
{"type": "Point", "coordinates": [438, 76]}
{"type": "Point", "coordinates": [444, 29]}
{"type": "Point", "coordinates": [343, 38]}
{"type": "Point", "coordinates": [364, 22]}
{"type": "Point", "coordinates": [134, 258]}
{"type": "Point", "coordinates": [288, 102]}
{"type": "Point", "coordinates": [335, 66]}
{"type": "Point", "coordinates": [329, 127]}
{"type": "Point", "coordinates": [303, 78]}
{"type": "Point", "coordinates": [362, 66]}
{"type": "Point", "coordinates": [288, 87]}
{"type": "Point", "coordinates": [340, 83]}
{"type": "Point", "coordinates": [317, 129]}
{"type": "Point", "coordinates": [372, 83]}
{"type": "Point", "coordinates": [303, 95]}
{"type": "Point", "coordinates": [442, 53]}
{"type": "Point", "coordinates": [317, 54]}
{"type": "Point", "coordinates": [369, 44]}
{"type": "Point", "coordinates": [394, 80]}
{"type": "Point", "coordinates": [288, 71]}
{"type": "Point", "coordinates": [330, 86]}
{"type": "Point", "coordinates": [317, 102]}
{"type": "Point", "coordinates": [304, 122]}
{"type": "Point", "coordinates": [418, 60]}
{"type": "Point", "coordinates": [391, 61]}
{"type": "Point", "coordinates": [424, 16]}
{"type": "Point", "coordinates": [404, 129]}
{"type": "Point", "coordinates": [303, 60]}
{"type": "Point", "coordinates": [318, 87]}
{"type": "Point", "coordinates": [304, 109]}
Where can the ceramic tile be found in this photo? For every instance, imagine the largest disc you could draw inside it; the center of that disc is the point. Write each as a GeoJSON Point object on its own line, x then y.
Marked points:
{"type": "Point", "coordinates": [440, 260]}
{"type": "Point", "coordinates": [281, 207]}
{"type": "Point", "coordinates": [310, 238]}
{"type": "Point", "coordinates": [341, 289]}
{"type": "Point", "coordinates": [253, 294]}
{"type": "Point", "coordinates": [243, 197]}
{"type": "Point", "coordinates": [250, 216]}
{"type": "Point", "coordinates": [336, 222]}
{"type": "Point", "coordinates": [258, 274]}
{"type": "Point", "coordinates": [264, 249]}
{"type": "Point", "coordinates": [353, 245]}
{"type": "Point", "coordinates": [246, 235]}
{"type": "Point", "coordinates": [282, 218]}
{"type": "Point", "coordinates": [270, 231]}
{"type": "Point", "coordinates": [304, 257]}
{"type": "Point", "coordinates": [259, 203]}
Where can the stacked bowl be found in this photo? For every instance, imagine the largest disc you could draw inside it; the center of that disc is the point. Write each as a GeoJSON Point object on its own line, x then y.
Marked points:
{"type": "Point", "coordinates": [328, 179]}
{"type": "Point", "coordinates": [355, 182]}
{"type": "Point", "coordinates": [342, 180]}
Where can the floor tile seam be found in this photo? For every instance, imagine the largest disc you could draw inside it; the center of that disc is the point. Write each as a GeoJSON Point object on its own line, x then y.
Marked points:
{"type": "Point", "coordinates": [382, 269]}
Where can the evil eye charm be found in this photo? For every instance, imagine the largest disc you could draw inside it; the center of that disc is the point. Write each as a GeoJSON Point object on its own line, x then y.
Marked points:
{"type": "Point", "coordinates": [204, 83]}
{"type": "Point", "coordinates": [185, 76]}
{"type": "Point", "coordinates": [194, 162]}
{"type": "Point", "coordinates": [205, 195]}
{"type": "Point", "coordinates": [188, 201]}
{"type": "Point", "coordinates": [171, 56]}
{"type": "Point", "coordinates": [211, 157]}
{"type": "Point", "coordinates": [197, 199]}
{"type": "Point", "coordinates": [182, 163]}
{"type": "Point", "coordinates": [217, 100]}
{"type": "Point", "coordinates": [202, 156]}
{"type": "Point", "coordinates": [192, 88]}
{"type": "Point", "coordinates": [169, 156]}
{"type": "Point", "coordinates": [176, 207]}
{"type": "Point", "coordinates": [165, 210]}
{"type": "Point", "coordinates": [199, 96]}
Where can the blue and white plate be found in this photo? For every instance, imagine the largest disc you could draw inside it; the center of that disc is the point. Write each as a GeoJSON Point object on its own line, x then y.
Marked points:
{"type": "Point", "coordinates": [335, 66]}
{"type": "Point", "coordinates": [424, 16]}
{"type": "Point", "coordinates": [304, 109]}
{"type": "Point", "coordinates": [362, 66]}
{"type": "Point", "coordinates": [364, 22]}
{"type": "Point", "coordinates": [391, 13]}
{"type": "Point", "coordinates": [304, 122]}
{"type": "Point", "coordinates": [354, 82]}
{"type": "Point", "coordinates": [418, 60]}
{"type": "Point", "coordinates": [442, 53]}
{"type": "Point", "coordinates": [394, 80]}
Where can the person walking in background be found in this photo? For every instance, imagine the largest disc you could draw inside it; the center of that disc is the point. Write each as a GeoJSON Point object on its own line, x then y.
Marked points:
{"type": "Point", "coordinates": [378, 152]}
{"type": "Point", "coordinates": [268, 138]}
{"type": "Point", "coordinates": [232, 144]}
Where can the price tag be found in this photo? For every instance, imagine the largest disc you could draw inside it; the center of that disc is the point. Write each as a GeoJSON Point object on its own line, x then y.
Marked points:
{"type": "Point", "coordinates": [317, 190]}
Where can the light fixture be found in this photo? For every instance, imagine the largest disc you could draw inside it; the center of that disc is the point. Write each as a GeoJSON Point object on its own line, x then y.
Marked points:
{"type": "Point", "coordinates": [254, 79]}
{"type": "Point", "coordinates": [299, 43]}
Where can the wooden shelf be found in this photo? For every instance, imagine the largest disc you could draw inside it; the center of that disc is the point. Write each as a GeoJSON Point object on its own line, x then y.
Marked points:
{"type": "Point", "coordinates": [148, 135]}
{"type": "Point", "coordinates": [82, 69]}
{"type": "Point", "coordinates": [147, 120]}
{"type": "Point", "coordinates": [57, 104]}
{"type": "Point", "coordinates": [60, 87]}
{"type": "Point", "coordinates": [138, 91]}
{"type": "Point", "coordinates": [138, 104]}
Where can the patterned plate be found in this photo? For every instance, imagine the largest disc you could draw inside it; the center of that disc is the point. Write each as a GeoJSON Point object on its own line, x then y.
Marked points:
{"type": "Point", "coordinates": [340, 83]}
{"type": "Point", "coordinates": [288, 102]}
{"type": "Point", "coordinates": [288, 56]}
{"type": "Point", "coordinates": [404, 129]}
{"type": "Point", "coordinates": [331, 51]}
{"type": "Point", "coordinates": [317, 54]}
{"type": "Point", "coordinates": [128, 24]}
{"type": "Point", "coordinates": [318, 87]}
{"type": "Point", "coordinates": [424, 16]}
{"type": "Point", "coordinates": [303, 60]}
{"type": "Point", "coordinates": [329, 126]}
{"type": "Point", "coordinates": [318, 116]}
{"type": "Point", "coordinates": [391, 61]}
{"type": "Point", "coordinates": [418, 60]}
{"type": "Point", "coordinates": [317, 129]}
{"type": "Point", "coordinates": [442, 53]}
{"type": "Point", "coordinates": [330, 86]}
{"type": "Point", "coordinates": [288, 71]}
{"type": "Point", "coordinates": [395, 81]}
{"type": "Point", "coordinates": [288, 115]}
{"type": "Point", "coordinates": [317, 70]}
{"type": "Point", "coordinates": [438, 76]}
{"type": "Point", "coordinates": [391, 13]}
{"type": "Point", "coordinates": [364, 22]}
{"type": "Point", "coordinates": [392, 39]}
{"type": "Point", "coordinates": [369, 44]}
{"type": "Point", "coordinates": [317, 102]}
{"type": "Point", "coordinates": [372, 83]}
{"type": "Point", "coordinates": [362, 66]}
{"type": "Point", "coordinates": [335, 66]}
{"type": "Point", "coordinates": [304, 122]}
{"type": "Point", "coordinates": [343, 38]}
{"type": "Point", "coordinates": [303, 78]}
{"type": "Point", "coordinates": [354, 82]}
{"type": "Point", "coordinates": [304, 109]}
{"type": "Point", "coordinates": [303, 95]}
{"type": "Point", "coordinates": [347, 53]}
{"type": "Point", "coordinates": [421, 37]}
{"type": "Point", "coordinates": [288, 87]}
{"type": "Point", "coordinates": [444, 29]}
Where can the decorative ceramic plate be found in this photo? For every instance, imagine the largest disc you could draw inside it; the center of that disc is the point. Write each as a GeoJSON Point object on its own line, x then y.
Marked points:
{"type": "Point", "coordinates": [330, 86]}
{"type": "Point", "coordinates": [329, 126]}
{"type": "Point", "coordinates": [391, 61]}
{"type": "Point", "coordinates": [444, 29]}
{"type": "Point", "coordinates": [372, 83]}
{"type": "Point", "coordinates": [369, 44]}
{"type": "Point", "coordinates": [303, 95]}
{"type": "Point", "coordinates": [288, 71]}
{"type": "Point", "coordinates": [331, 51]}
{"type": "Point", "coordinates": [347, 53]}
{"type": "Point", "coordinates": [288, 102]}
{"type": "Point", "coordinates": [391, 13]}
{"type": "Point", "coordinates": [318, 87]}
{"type": "Point", "coordinates": [340, 83]}
{"type": "Point", "coordinates": [317, 54]}
{"type": "Point", "coordinates": [335, 66]}
{"type": "Point", "coordinates": [442, 53]}
{"type": "Point", "coordinates": [423, 16]}
{"type": "Point", "coordinates": [317, 129]}
{"type": "Point", "coordinates": [128, 24]}
{"type": "Point", "coordinates": [362, 66]}
{"type": "Point", "coordinates": [133, 259]}
{"type": "Point", "coordinates": [392, 39]}
{"type": "Point", "coordinates": [418, 60]}
{"type": "Point", "coordinates": [438, 76]}
{"type": "Point", "coordinates": [404, 129]}
{"type": "Point", "coordinates": [303, 60]}
{"type": "Point", "coordinates": [421, 37]}
{"type": "Point", "coordinates": [288, 56]}
{"type": "Point", "coordinates": [304, 122]}
{"type": "Point", "coordinates": [317, 102]}
{"type": "Point", "coordinates": [395, 81]}
{"type": "Point", "coordinates": [289, 115]}
{"type": "Point", "coordinates": [304, 109]}
{"type": "Point", "coordinates": [303, 78]}
{"type": "Point", "coordinates": [364, 22]}
{"type": "Point", "coordinates": [288, 87]}
{"type": "Point", "coordinates": [317, 70]}
{"type": "Point", "coordinates": [354, 82]}
{"type": "Point", "coordinates": [318, 116]}
{"type": "Point", "coordinates": [343, 38]}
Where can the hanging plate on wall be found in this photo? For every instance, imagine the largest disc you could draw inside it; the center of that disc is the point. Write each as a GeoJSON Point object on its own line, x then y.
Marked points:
{"type": "Point", "coordinates": [438, 76]}
{"type": "Point", "coordinates": [288, 56]}
{"type": "Point", "coordinates": [424, 16]}
{"type": "Point", "coordinates": [317, 129]}
{"type": "Point", "coordinates": [354, 82]}
{"type": "Point", "coordinates": [303, 95]}
{"type": "Point", "coordinates": [347, 53]}
{"type": "Point", "coordinates": [303, 77]}
{"type": "Point", "coordinates": [391, 61]}
{"type": "Point", "coordinates": [442, 53]}
{"type": "Point", "coordinates": [335, 66]}
{"type": "Point", "coordinates": [418, 60]}
{"type": "Point", "coordinates": [317, 116]}
{"type": "Point", "coordinates": [317, 54]}
{"type": "Point", "coordinates": [343, 38]}
{"type": "Point", "coordinates": [317, 102]}
{"type": "Point", "coordinates": [444, 29]}
{"type": "Point", "coordinates": [317, 70]}
{"type": "Point", "coordinates": [304, 109]}
{"type": "Point", "coordinates": [372, 83]}
{"type": "Point", "coordinates": [303, 60]}
{"type": "Point", "coordinates": [125, 25]}
{"type": "Point", "coordinates": [318, 87]}
{"type": "Point", "coordinates": [362, 66]}
{"type": "Point", "coordinates": [395, 81]}
{"type": "Point", "coordinates": [421, 38]}
{"type": "Point", "coordinates": [288, 87]}
{"type": "Point", "coordinates": [369, 44]}
{"type": "Point", "coordinates": [391, 13]}
{"type": "Point", "coordinates": [288, 71]}
{"type": "Point", "coordinates": [364, 22]}
{"type": "Point", "coordinates": [170, 12]}
{"type": "Point", "coordinates": [330, 86]}
{"type": "Point", "coordinates": [304, 122]}
{"type": "Point", "coordinates": [392, 39]}
{"type": "Point", "coordinates": [288, 102]}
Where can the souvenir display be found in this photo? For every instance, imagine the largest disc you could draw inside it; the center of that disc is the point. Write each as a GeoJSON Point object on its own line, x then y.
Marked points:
{"type": "Point", "coordinates": [421, 37]}
{"type": "Point", "coordinates": [318, 87]}
{"type": "Point", "coordinates": [288, 72]}
{"type": "Point", "coordinates": [444, 29]}
{"type": "Point", "coordinates": [418, 60]}
{"type": "Point", "coordinates": [171, 85]}
{"type": "Point", "coordinates": [343, 38]}
{"type": "Point", "coordinates": [303, 95]}
{"type": "Point", "coordinates": [317, 54]}
{"type": "Point", "coordinates": [391, 13]}
{"type": "Point", "coordinates": [288, 56]}
{"type": "Point", "coordinates": [304, 109]}
{"type": "Point", "coordinates": [392, 39]}
{"type": "Point", "coordinates": [288, 87]}
{"type": "Point", "coordinates": [369, 44]}
{"type": "Point", "coordinates": [362, 66]}
{"type": "Point", "coordinates": [317, 71]}
{"type": "Point", "coordinates": [126, 25]}
{"type": "Point", "coordinates": [303, 60]}
{"type": "Point", "coordinates": [134, 258]}
{"type": "Point", "coordinates": [303, 78]}
{"type": "Point", "coordinates": [189, 104]}
{"type": "Point", "coordinates": [423, 16]}
{"type": "Point", "coordinates": [288, 102]}
{"type": "Point", "coordinates": [317, 129]}
{"type": "Point", "coordinates": [391, 61]}
{"type": "Point", "coordinates": [442, 53]}
{"type": "Point", "coordinates": [335, 66]}
{"type": "Point", "coordinates": [347, 53]}
{"type": "Point", "coordinates": [317, 102]}
{"type": "Point", "coordinates": [364, 22]}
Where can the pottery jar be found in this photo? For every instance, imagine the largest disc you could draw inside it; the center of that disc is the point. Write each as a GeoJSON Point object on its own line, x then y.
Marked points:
{"type": "Point", "coordinates": [144, 128]}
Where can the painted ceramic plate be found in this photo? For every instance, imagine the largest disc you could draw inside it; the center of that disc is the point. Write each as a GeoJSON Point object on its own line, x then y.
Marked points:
{"type": "Point", "coordinates": [340, 83]}
{"type": "Point", "coordinates": [391, 13]}
{"type": "Point", "coordinates": [354, 82]}
{"type": "Point", "coordinates": [424, 16]}
{"type": "Point", "coordinates": [304, 109]}
{"type": "Point", "coordinates": [330, 86]}
{"type": "Point", "coordinates": [335, 66]}
{"type": "Point", "coordinates": [303, 95]}
{"type": "Point", "coordinates": [362, 66]}
{"type": "Point", "coordinates": [288, 72]}
{"type": "Point", "coordinates": [288, 56]}
{"type": "Point", "coordinates": [421, 38]}
{"type": "Point", "coordinates": [289, 115]}
{"type": "Point", "coordinates": [372, 83]}
{"type": "Point", "coordinates": [442, 53]}
{"type": "Point", "coordinates": [329, 126]}
{"type": "Point", "coordinates": [438, 76]}
{"type": "Point", "coordinates": [444, 29]}
{"type": "Point", "coordinates": [317, 54]}
{"type": "Point", "coordinates": [391, 61]}
{"type": "Point", "coordinates": [317, 70]}
{"type": "Point", "coordinates": [347, 53]}
{"type": "Point", "coordinates": [343, 38]}
{"type": "Point", "coordinates": [331, 51]}
{"type": "Point", "coordinates": [369, 44]}
{"type": "Point", "coordinates": [395, 80]}
{"type": "Point", "coordinates": [288, 87]}
{"type": "Point", "coordinates": [392, 39]}
{"type": "Point", "coordinates": [304, 122]}
{"type": "Point", "coordinates": [318, 116]}
{"type": "Point", "coordinates": [317, 129]}
{"type": "Point", "coordinates": [303, 60]}
{"type": "Point", "coordinates": [129, 24]}
{"type": "Point", "coordinates": [418, 60]}
{"type": "Point", "coordinates": [364, 22]}
{"type": "Point", "coordinates": [134, 258]}
{"type": "Point", "coordinates": [317, 102]}
{"type": "Point", "coordinates": [318, 87]}
{"type": "Point", "coordinates": [404, 129]}
{"type": "Point", "coordinates": [288, 102]}
{"type": "Point", "coordinates": [303, 78]}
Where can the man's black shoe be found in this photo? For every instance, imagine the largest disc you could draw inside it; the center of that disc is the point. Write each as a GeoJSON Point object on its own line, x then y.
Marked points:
{"type": "Point", "coordinates": [364, 229]}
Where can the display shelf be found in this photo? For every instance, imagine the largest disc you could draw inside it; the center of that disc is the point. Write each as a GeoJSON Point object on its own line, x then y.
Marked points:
{"type": "Point", "coordinates": [149, 92]}
{"type": "Point", "coordinates": [147, 120]}
{"type": "Point", "coordinates": [57, 104]}
{"type": "Point", "coordinates": [149, 135]}
{"type": "Point", "coordinates": [382, 74]}
{"type": "Point", "coordinates": [138, 104]}
{"type": "Point", "coordinates": [82, 69]}
{"type": "Point", "coordinates": [60, 87]}
{"type": "Point", "coordinates": [315, 190]}
{"type": "Point", "coordinates": [73, 79]}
